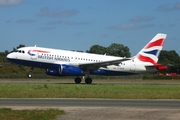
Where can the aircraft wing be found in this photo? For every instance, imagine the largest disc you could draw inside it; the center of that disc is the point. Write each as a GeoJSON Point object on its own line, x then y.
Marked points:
{"type": "Point", "coordinates": [96, 65]}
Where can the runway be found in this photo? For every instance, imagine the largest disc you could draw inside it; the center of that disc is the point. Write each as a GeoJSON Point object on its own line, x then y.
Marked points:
{"type": "Point", "coordinates": [63, 102]}
{"type": "Point", "coordinates": [100, 109]}
{"type": "Point", "coordinates": [121, 83]}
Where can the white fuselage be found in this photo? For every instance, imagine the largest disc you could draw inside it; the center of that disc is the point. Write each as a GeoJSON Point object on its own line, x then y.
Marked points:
{"type": "Point", "coordinates": [46, 57]}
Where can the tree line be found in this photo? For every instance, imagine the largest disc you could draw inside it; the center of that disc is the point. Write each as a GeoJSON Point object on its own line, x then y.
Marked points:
{"type": "Point", "coordinates": [167, 57]}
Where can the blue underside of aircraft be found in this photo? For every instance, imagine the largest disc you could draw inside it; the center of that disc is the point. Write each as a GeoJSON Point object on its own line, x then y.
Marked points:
{"type": "Point", "coordinates": [69, 70]}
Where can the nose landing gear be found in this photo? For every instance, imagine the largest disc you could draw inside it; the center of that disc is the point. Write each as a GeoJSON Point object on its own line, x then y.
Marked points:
{"type": "Point", "coordinates": [30, 72]}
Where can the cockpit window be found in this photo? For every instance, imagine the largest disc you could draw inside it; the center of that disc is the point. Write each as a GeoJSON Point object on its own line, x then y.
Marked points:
{"type": "Point", "coordinates": [20, 51]}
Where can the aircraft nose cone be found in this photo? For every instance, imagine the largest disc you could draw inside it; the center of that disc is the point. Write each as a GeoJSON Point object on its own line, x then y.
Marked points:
{"type": "Point", "coordinates": [9, 56]}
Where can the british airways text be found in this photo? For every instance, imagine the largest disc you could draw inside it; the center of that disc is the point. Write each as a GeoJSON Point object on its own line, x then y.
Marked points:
{"type": "Point", "coordinates": [53, 58]}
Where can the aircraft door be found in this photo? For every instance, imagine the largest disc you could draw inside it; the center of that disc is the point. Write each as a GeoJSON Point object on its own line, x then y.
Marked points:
{"type": "Point", "coordinates": [34, 57]}
{"type": "Point", "coordinates": [133, 65]}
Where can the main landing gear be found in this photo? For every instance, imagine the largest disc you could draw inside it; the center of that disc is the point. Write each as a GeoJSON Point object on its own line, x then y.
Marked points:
{"type": "Point", "coordinates": [78, 80]}
{"type": "Point", "coordinates": [88, 80]}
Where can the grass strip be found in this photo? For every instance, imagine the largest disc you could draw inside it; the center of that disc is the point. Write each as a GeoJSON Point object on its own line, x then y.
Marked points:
{"type": "Point", "coordinates": [90, 91]}
{"type": "Point", "coordinates": [44, 114]}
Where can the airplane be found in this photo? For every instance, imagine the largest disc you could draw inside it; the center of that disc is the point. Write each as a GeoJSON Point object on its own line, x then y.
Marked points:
{"type": "Point", "coordinates": [71, 63]}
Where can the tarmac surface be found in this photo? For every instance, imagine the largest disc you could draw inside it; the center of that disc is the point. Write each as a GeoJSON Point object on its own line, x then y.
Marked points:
{"type": "Point", "coordinates": [101, 109]}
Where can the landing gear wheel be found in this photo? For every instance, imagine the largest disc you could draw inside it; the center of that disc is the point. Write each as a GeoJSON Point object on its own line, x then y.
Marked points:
{"type": "Point", "coordinates": [29, 76]}
{"type": "Point", "coordinates": [77, 80]}
{"type": "Point", "coordinates": [30, 72]}
{"type": "Point", "coordinates": [88, 80]}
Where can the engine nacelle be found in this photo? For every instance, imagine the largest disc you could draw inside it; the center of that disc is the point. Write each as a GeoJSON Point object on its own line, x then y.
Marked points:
{"type": "Point", "coordinates": [65, 70]}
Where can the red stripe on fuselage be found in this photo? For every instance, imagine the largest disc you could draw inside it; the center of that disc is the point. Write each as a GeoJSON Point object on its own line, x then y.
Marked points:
{"type": "Point", "coordinates": [41, 51]}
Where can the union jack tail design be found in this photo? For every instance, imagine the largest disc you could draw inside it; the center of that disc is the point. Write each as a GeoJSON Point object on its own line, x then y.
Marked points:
{"type": "Point", "coordinates": [150, 53]}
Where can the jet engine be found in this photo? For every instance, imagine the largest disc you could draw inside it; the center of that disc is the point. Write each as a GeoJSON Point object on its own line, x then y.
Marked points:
{"type": "Point", "coordinates": [65, 70]}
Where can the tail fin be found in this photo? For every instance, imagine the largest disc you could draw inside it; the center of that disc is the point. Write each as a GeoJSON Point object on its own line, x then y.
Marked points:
{"type": "Point", "coordinates": [150, 53]}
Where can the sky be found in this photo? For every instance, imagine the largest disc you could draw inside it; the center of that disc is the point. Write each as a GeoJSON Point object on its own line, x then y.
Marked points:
{"type": "Point", "coordinates": [79, 24]}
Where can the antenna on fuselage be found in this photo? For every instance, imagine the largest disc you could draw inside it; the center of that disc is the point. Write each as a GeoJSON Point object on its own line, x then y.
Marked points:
{"type": "Point", "coordinates": [106, 54]}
